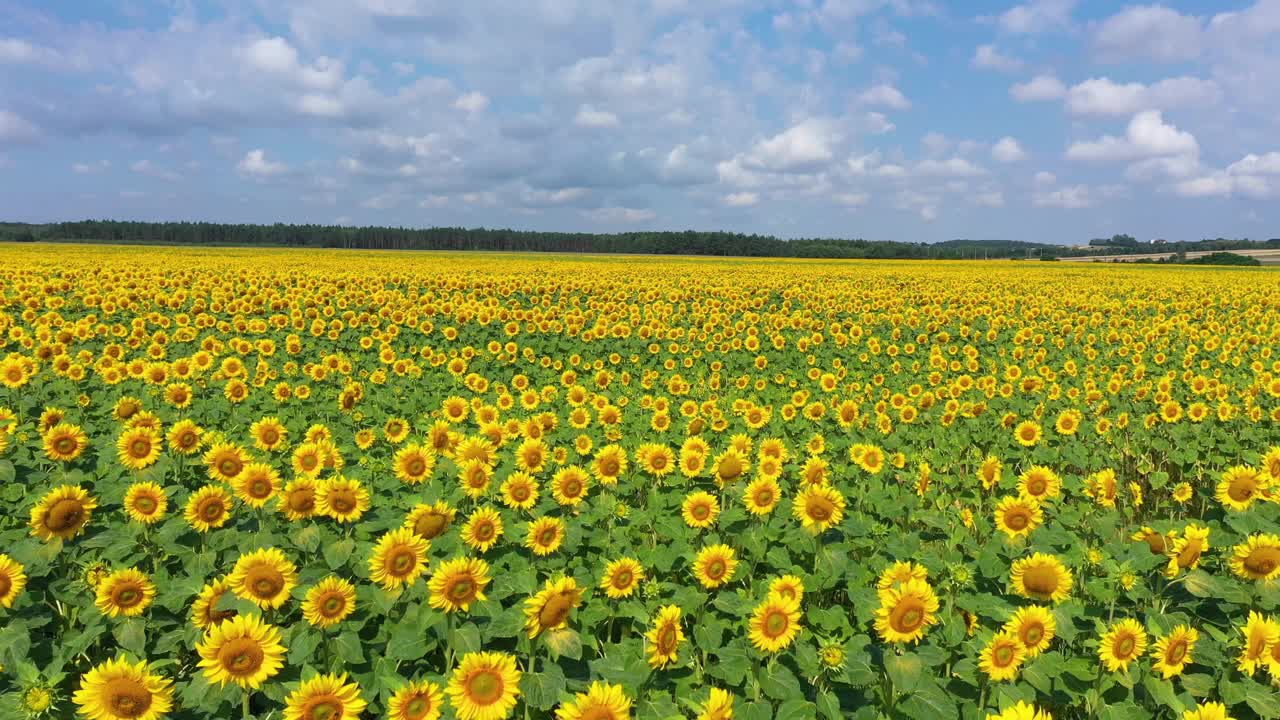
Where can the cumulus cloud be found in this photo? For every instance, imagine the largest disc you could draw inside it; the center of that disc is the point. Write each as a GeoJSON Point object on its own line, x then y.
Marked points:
{"type": "Point", "coordinates": [988, 57]}
{"type": "Point", "coordinates": [885, 95]}
{"type": "Point", "coordinates": [1040, 87]}
{"type": "Point", "coordinates": [1103, 96]}
{"type": "Point", "coordinates": [1037, 16]}
{"type": "Point", "coordinates": [1147, 135]}
{"type": "Point", "coordinates": [620, 215]}
{"type": "Point", "coordinates": [1151, 32]}
{"type": "Point", "coordinates": [16, 130]}
{"type": "Point", "coordinates": [803, 146]}
{"type": "Point", "coordinates": [742, 199]}
{"type": "Point", "coordinates": [255, 164]}
{"type": "Point", "coordinates": [590, 117]}
{"type": "Point", "coordinates": [1254, 176]}
{"type": "Point", "coordinates": [1007, 150]}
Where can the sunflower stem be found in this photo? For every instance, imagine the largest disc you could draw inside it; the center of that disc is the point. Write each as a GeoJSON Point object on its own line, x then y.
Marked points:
{"type": "Point", "coordinates": [244, 705]}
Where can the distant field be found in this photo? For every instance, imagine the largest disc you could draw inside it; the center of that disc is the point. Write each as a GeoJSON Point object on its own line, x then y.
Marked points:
{"type": "Point", "coordinates": [1266, 257]}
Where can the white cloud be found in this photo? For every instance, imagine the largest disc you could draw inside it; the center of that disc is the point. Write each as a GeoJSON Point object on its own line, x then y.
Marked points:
{"type": "Point", "coordinates": [590, 117]}
{"type": "Point", "coordinates": [951, 167]}
{"type": "Point", "coordinates": [885, 95]}
{"type": "Point", "coordinates": [1044, 178]}
{"type": "Point", "coordinates": [16, 129]}
{"type": "Point", "coordinates": [89, 168]}
{"type": "Point", "coordinates": [1007, 150]}
{"type": "Point", "coordinates": [992, 199]}
{"type": "Point", "coordinates": [990, 58]}
{"type": "Point", "coordinates": [1146, 136]}
{"type": "Point", "coordinates": [1102, 96]}
{"type": "Point", "coordinates": [472, 102]}
{"type": "Point", "coordinates": [741, 199]}
{"type": "Point", "coordinates": [1040, 87]}
{"type": "Point", "coordinates": [1267, 164]}
{"type": "Point", "coordinates": [619, 215]}
{"type": "Point", "coordinates": [1149, 32]}
{"type": "Point", "coordinates": [255, 164]}
{"type": "Point", "coordinates": [1037, 16]}
{"type": "Point", "coordinates": [276, 56]}
{"type": "Point", "coordinates": [146, 167]}
{"type": "Point", "coordinates": [1256, 176]}
{"type": "Point", "coordinates": [852, 199]}
{"type": "Point", "coordinates": [804, 146]}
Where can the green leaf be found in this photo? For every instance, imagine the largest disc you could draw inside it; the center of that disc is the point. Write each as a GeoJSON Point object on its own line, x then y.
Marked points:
{"type": "Point", "coordinates": [1263, 700]}
{"type": "Point", "coordinates": [406, 645]}
{"type": "Point", "coordinates": [7, 473]}
{"type": "Point", "coordinates": [132, 638]}
{"type": "Point", "coordinates": [930, 701]}
{"type": "Point", "coordinates": [347, 646]}
{"type": "Point", "coordinates": [781, 684]}
{"type": "Point", "coordinates": [796, 710]}
{"type": "Point", "coordinates": [564, 643]}
{"type": "Point", "coordinates": [904, 671]}
{"type": "Point", "coordinates": [542, 689]}
{"type": "Point", "coordinates": [336, 554]}
{"type": "Point", "coordinates": [829, 705]}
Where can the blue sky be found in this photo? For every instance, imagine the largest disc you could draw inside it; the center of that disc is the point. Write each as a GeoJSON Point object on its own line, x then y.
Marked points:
{"type": "Point", "coordinates": [919, 120]}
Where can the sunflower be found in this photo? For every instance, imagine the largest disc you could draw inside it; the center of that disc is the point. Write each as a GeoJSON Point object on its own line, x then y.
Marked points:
{"type": "Point", "coordinates": [550, 608]}
{"type": "Point", "coordinates": [1017, 516]}
{"type": "Point", "coordinates": [399, 558]}
{"type": "Point", "coordinates": [430, 521]}
{"type": "Point", "coordinates": [124, 593]}
{"type": "Point", "coordinates": [484, 686]}
{"type": "Point", "coordinates": [656, 460]}
{"type": "Point", "coordinates": [906, 611]}
{"type": "Point", "coordinates": [1260, 633]}
{"type": "Point", "coordinates": [901, 572]}
{"type": "Point", "coordinates": [64, 442]}
{"type": "Point", "coordinates": [298, 499]}
{"type": "Point", "coordinates": [601, 701]}
{"type": "Point", "coordinates": [545, 535]}
{"type": "Point", "coordinates": [787, 586]}
{"type": "Point", "coordinates": [1028, 433]}
{"type": "Point", "coordinates": [519, 491]}
{"type": "Point", "coordinates": [418, 700]}
{"type": "Point", "coordinates": [1183, 493]}
{"type": "Point", "coordinates": [719, 706]}
{"type": "Point", "coordinates": [715, 565]}
{"type": "Point", "coordinates": [1239, 487]}
{"type": "Point", "coordinates": [609, 463]}
{"type": "Point", "coordinates": [341, 498]}
{"type": "Point", "coordinates": [457, 583]}
{"type": "Point", "coordinates": [62, 513]}
{"type": "Point", "coordinates": [146, 502]}
{"type": "Point", "coordinates": [1021, 711]}
{"type": "Point", "coordinates": [257, 484]}
{"type": "Point", "coordinates": [819, 507]}
{"type": "Point", "coordinates": [621, 578]}
{"type": "Point", "coordinates": [1002, 657]}
{"type": "Point", "coordinates": [700, 509]}
{"type": "Point", "coordinates": [242, 650]}
{"type": "Point", "coordinates": [1257, 558]}
{"type": "Point", "coordinates": [1041, 577]}
{"type": "Point", "coordinates": [482, 529]}
{"type": "Point", "coordinates": [774, 623]}
{"type": "Point", "coordinates": [729, 467]}
{"type": "Point", "coordinates": [204, 611]}
{"type": "Point", "coordinates": [184, 437]}
{"type": "Point", "coordinates": [13, 579]}
{"type": "Point", "coordinates": [1173, 651]}
{"type": "Point", "coordinates": [475, 477]}
{"type": "Point", "coordinates": [1158, 543]}
{"type": "Point", "coordinates": [308, 459]}
{"type": "Point", "coordinates": [324, 697]}
{"type": "Point", "coordinates": [664, 637]}
{"type": "Point", "coordinates": [989, 472]}
{"type": "Point", "coordinates": [1123, 642]}
{"type": "Point", "coordinates": [225, 461]}
{"type": "Point", "coordinates": [329, 602]}
{"type": "Point", "coordinates": [120, 690]}
{"type": "Point", "coordinates": [761, 496]}
{"type": "Point", "coordinates": [1035, 628]}
{"type": "Point", "coordinates": [269, 434]}
{"type": "Point", "coordinates": [1039, 483]}
{"type": "Point", "coordinates": [138, 448]}
{"type": "Point", "coordinates": [413, 463]}
{"type": "Point", "coordinates": [1101, 487]}
{"type": "Point", "coordinates": [265, 577]}
{"type": "Point", "coordinates": [1187, 550]}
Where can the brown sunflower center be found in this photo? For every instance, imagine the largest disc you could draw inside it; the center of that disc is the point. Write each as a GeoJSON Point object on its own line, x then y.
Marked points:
{"type": "Point", "coordinates": [485, 687]}
{"type": "Point", "coordinates": [430, 525]}
{"type": "Point", "coordinates": [264, 582]}
{"type": "Point", "coordinates": [1242, 487]}
{"type": "Point", "coordinates": [270, 436]}
{"type": "Point", "coordinates": [462, 590]}
{"type": "Point", "coordinates": [658, 461]}
{"type": "Point", "coordinates": [302, 500]}
{"type": "Point", "coordinates": [230, 466]}
{"type": "Point", "coordinates": [401, 561]}
{"type": "Point", "coordinates": [907, 616]}
{"type": "Point", "coordinates": [323, 707]}
{"type": "Point", "coordinates": [716, 569]}
{"type": "Point", "coordinates": [65, 514]}
{"type": "Point", "coordinates": [417, 707]}
{"type": "Point", "coordinates": [65, 445]}
{"type": "Point", "coordinates": [555, 610]}
{"type": "Point", "coordinates": [127, 697]}
{"type": "Point", "coordinates": [609, 466]}
{"type": "Point", "coordinates": [342, 500]}
{"type": "Point", "coordinates": [730, 468]}
{"type": "Point", "coordinates": [309, 462]}
{"type": "Point", "coordinates": [332, 604]}
{"type": "Point", "coordinates": [211, 508]}
{"type": "Point", "coordinates": [241, 656]}
{"type": "Point", "coordinates": [667, 639]}
{"type": "Point", "coordinates": [1190, 553]}
{"type": "Point", "coordinates": [1176, 651]}
{"type": "Point", "coordinates": [1037, 485]}
{"type": "Point", "coordinates": [1040, 579]}
{"type": "Point", "coordinates": [818, 508]}
{"type": "Point", "coordinates": [764, 496]}
{"type": "Point", "coordinates": [520, 492]}
{"type": "Point", "coordinates": [700, 511]}
{"type": "Point", "coordinates": [1002, 655]}
{"type": "Point", "coordinates": [126, 595]}
{"type": "Point", "coordinates": [1263, 561]}
{"type": "Point", "coordinates": [547, 536]}
{"type": "Point", "coordinates": [621, 579]}
{"type": "Point", "coordinates": [145, 504]}
{"type": "Point", "coordinates": [1124, 646]}
{"type": "Point", "coordinates": [140, 448]}
{"type": "Point", "coordinates": [260, 488]}
{"type": "Point", "coordinates": [775, 623]}
{"type": "Point", "coordinates": [1017, 519]}
{"type": "Point", "coordinates": [415, 466]}
{"type": "Point", "coordinates": [1156, 543]}
{"type": "Point", "coordinates": [572, 488]}
{"type": "Point", "coordinates": [483, 531]}
{"type": "Point", "coordinates": [1032, 634]}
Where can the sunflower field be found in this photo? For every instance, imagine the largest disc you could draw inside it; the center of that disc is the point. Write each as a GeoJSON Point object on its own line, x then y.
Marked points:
{"type": "Point", "coordinates": [331, 485]}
